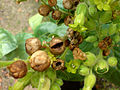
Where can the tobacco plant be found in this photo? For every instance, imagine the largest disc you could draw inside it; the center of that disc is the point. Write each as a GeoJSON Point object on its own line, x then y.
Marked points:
{"type": "Point", "coordinates": [73, 40]}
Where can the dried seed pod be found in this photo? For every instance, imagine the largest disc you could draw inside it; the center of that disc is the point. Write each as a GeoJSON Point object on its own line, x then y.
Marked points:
{"type": "Point", "coordinates": [80, 39]}
{"type": "Point", "coordinates": [72, 46]}
{"type": "Point", "coordinates": [68, 20]}
{"type": "Point", "coordinates": [56, 15]}
{"type": "Point", "coordinates": [44, 10]}
{"type": "Point", "coordinates": [106, 52]}
{"type": "Point", "coordinates": [52, 2]}
{"type": "Point", "coordinates": [76, 2]}
{"type": "Point", "coordinates": [67, 42]}
{"type": "Point", "coordinates": [70, 33]}
{"type": "Point", "coordinates": [57, 46]}
{"type": "Point", "coordinates": [40, 61]}
{"type": "Point", "coordinates": [79, 54]}
{"type": "Point", "coordinates": [68, 4]}
{"type": "Point", "coordinates": [58, 65]}
{"type": "Point", "coordinates": [103, 45]}
{"type": "Point", "coordinates": [18, 69]}
{"type": "Point", "coordinates": [32, 45]}
{"type": "Point", "coordinates": [108, 40]}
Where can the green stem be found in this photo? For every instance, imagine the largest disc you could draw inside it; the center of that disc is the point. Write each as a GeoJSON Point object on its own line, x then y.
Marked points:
{"type": "Point", "coordinates": [5, 63]}
{"type": "Point", "coordinates": [65, 12]}
{"type": "Point", "coordinates": [41, 80]}
{"type": "Point", "coordinates": [63, 55]}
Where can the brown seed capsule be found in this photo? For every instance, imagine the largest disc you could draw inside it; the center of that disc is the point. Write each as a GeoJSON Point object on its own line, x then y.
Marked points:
{"type": "Point", "coordinates": [76, 2]}
{"type": "Point", "coordinates": [80, 39]}
{"type": "Point", "coordinates": [18, 69]}
{"type": "Point", "coordinates": [106, 52]}
{"type": "Point", "coordinates": [44, 10]}
{"type": "Point", "coordinates": [52, 2]}
{"type": "Point", "coordinates": [40, 61]}
{"type": "Point", "coordinates": [103, 45]}
{"type": "Point", "coordinates": [79, 54]}
{"type": "Point", "coordinates": [72, 46]}
{"type": "Point", "coordinates": [32, 45]}
{"type": "Point", "coordinates": [68, 4]}
{"type": "Point", "coordinates": [67, 42]}
{"type": "Point", "coordinates": [58, 65]}
{"type": "Point", "coordinates": [57, 46]}
{"type": "Point", "coordinates": [68, 20]}
{"type": "Point", "coordinates": [56, 15]}
{"type": "Point", "coordinates": [108, 40]}
{"type": "Point", "coordinates": [70, 33]}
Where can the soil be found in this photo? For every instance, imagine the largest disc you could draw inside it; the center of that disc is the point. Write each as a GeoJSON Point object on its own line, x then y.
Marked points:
{"type": "Point", "coordinates": [14, 18]}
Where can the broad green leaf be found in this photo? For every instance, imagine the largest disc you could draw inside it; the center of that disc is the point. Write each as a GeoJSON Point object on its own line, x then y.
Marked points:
{"type": "Point", "coordinates": [35, 80]}
{"type": "Point", "coordinates": [90, 24]}
{"type": "Point", "coordinates": [61, 30]}
{"type": "Point", "coordinates": [23, 82]}
{"type": "Point", "coordinates": [46, 30]}
{"type": "Point", "coordinates": [112, 29]}
{"type": "Point", "coordinates": [20, 52]}
{"type": "Point", "coordinates": [105, 17]}
{"type": "Point", "coordinates": [69, 76]}
{"type": "Point", "coordinates": [35, 21]}
{"type": "Point", "coordinates": [8, 42]}
{"type": "Point", "coordinates": [106, 7]}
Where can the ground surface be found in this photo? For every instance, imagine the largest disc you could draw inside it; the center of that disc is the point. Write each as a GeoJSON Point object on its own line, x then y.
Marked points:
{"type": "Point", "coordinates": [14, 17]}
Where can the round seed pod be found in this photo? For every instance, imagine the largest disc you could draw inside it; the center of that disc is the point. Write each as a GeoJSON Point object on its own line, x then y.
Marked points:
{"type": "Point", "coordinates": [44, 10]}
{"type": "Point", "coordinates": [70, 33]}
{"type": "Point", "coordinates": [57, 46]}
{"type": "Point", "coordinates": [67, 42]}
{"type": "Point", "coordinates": [103, 45]}
{"type": "Point", "coordinates": [32, 45]}
{"type": "Point", "coordinates": [79, 54]}
{"type": "Point", "coordinates": [106, 52]}
{"type": "Point", "coordinates": [72, 46]}
{"type": "Point", "coordinates": [18, 69]}
{"type": "Point", "coordinates": [108, 40]}
{"type": "Point", "coordinates": [76, 2]}
{"type": "Point", "coordinates": [58, 65]}
{"type": "Point", "coordinates": [40, 61]}
{"type": "Point", "coordinates": [56, 15]}
{"type": "Point", "coordinates": [52, 2]}
{"type": "Point", "coordinates": [68, 4]}
{"type": "Point", "coordinates": [68, 20]}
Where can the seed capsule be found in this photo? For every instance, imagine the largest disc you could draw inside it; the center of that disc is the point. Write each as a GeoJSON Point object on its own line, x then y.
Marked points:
{"type": "Point", "coordinates": [103, 45]}
{"type": "Point", "coordinates": [68, 4]}
{"type": "Point", "coordinates": [56, 15]}
{"type": "Point", "coordinates": [52, 2]}
{"type": "Point", "coordinates": [57, 46]}
{"type": "Point", "coordinates": [68, 20]}
{"type": "Point", "coordinates": [106, 52]}
{"type": "Point", "coordinates": [58, 65]}
{"type": "Point", "coordinates": [32, 45]}
{"type": "Point", "coordinates": [108, 40]}
{"type": "Point", "coordinates": [78, 54]}
{"type": "Point", "coordinates": [40, 61]}
{"type": "Point", "coordinates": [18, 69]}
{"type": "Point", "coordinates": [44, 10]}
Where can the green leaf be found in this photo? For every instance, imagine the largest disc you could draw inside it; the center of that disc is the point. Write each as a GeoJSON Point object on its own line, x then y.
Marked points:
{"type": "Point", "coordinates": [46, 30]}
{"type": "Point", "coordinates": [35, 21]}
{"type": "Point", "coordinates": [69, 76]}
{"type": "Point", "coordinates": [106, 7]}
{"type": "Point", "coordinates": [105, 17]}
{"type": "Point", "coordinates": [35, 80]}
{"type": "Point", "coordinates": [81, 8]}
{"type": "Point", "coordinates": [23, 82]}
{"type": "Point", "coordinates": [8, 42]}
{"type": "Point", "coordinates": [20, 52]}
